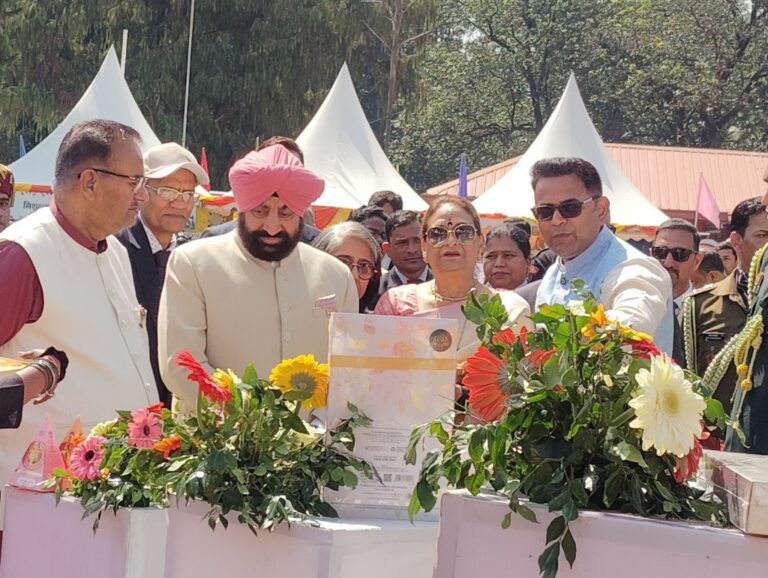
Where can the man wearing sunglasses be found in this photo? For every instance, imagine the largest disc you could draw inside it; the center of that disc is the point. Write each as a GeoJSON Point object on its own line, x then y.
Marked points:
{"type": "Point", "coordinates": [173, 175]}
{"type": "Point", "coordinates": [572, 211]}
{"type": "Point", "coordinates": [714, 314]}
{"type": "Point", "coordinates": [255, 295]}
{"type": "Point", "coordinates": [66, 282]}
{"type": "Point", "coordinates": [676, 247]}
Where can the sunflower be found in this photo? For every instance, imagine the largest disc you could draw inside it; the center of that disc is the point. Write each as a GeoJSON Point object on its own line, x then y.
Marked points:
{"type": "Point", "coordinates": [486, 377]}
{"type": "Point", "coordinates": [303, 373]}
{"type": "Point", "coordinates": [667, 410]}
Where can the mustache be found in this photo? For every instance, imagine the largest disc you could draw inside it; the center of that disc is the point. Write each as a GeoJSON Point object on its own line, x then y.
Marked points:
{"type": "Point", "coordinates": [282, 235]}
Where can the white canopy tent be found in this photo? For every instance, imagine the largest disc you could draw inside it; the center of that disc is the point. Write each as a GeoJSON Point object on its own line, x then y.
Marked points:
{"type": "Point", "coordinates": [340, 146]}
{"type": "Point", "coordinates": [569, 132]}
{"type": "Point", "coordinates": [107, 97]}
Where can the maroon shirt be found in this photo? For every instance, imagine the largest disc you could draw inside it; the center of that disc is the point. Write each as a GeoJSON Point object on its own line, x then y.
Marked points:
{"type": "Point", "coordinates": [22, 300]}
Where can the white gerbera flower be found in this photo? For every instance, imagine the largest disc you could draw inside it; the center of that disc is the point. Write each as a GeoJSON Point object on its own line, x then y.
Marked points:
{"type": "Point", "coordinates": [668, 410]}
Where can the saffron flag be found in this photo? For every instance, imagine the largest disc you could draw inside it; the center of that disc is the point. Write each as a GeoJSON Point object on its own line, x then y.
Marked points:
{"type": "Point", "coordinates": [706, 205]}
{"type": "Point", "coordinates": [204, 164]}
{"type": "Point", "coordinates": [463, 175]}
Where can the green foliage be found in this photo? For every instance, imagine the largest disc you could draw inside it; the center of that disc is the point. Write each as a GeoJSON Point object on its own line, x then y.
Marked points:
{"type": "Point", "coordinates": [565, 439]}
{"type": "Point", "coordinates": [251, 454]}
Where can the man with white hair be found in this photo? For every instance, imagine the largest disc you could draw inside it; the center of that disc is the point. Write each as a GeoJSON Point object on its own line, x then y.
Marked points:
{"type": "Point", "coordinates": [173, 174]}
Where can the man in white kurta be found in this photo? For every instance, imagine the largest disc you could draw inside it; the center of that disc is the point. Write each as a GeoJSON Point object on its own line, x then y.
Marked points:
{"type": "Point", "coordinates": [255, 294]}
{"type": "Point", "coordinates": [66, 282]}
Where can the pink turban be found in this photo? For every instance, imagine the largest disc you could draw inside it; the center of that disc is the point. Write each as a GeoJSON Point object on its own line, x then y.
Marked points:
{"type": "Point", "coordinates": [274, 170]}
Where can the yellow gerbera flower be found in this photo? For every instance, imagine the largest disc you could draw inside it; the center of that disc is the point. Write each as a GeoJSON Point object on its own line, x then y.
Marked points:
{"type": "Point", "coordinates": [666, 408]}
{"type": "Point", "coordinates": [633, 334]}
{"type": "Point", "coordinates": [225, 378]}
{"type": "Point", "coordinates": [597, 320]}
{"type": "Point", "coordinates": [303, 373]}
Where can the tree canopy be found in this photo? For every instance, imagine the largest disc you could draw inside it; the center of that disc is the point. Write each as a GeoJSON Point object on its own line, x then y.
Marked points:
{"type": "Point", "coordinates": [436, 77]}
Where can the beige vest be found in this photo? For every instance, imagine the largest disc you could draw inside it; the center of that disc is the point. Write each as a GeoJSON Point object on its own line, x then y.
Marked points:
{"type": "Point", "coordinates": [91, 313]}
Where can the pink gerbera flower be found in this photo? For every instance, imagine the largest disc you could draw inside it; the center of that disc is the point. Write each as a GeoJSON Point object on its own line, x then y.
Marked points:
{"type": "Point", "coordinates": [86, 458]}
{"type": "Point", "coordinates": [144, 429]}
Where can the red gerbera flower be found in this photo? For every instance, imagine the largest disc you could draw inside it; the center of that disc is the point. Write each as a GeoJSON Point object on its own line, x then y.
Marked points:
{"type": "Point", "coordinates": [156, 408]}
{"type": "Point", "coordinates": [504, 337]}
{"type": "Point", "coordinates": [540, 356]}
{"type": "Point", "coordinates": [524, 339]}
{"type": "Point", "coordinates": [644, 349]}
{"type": "Point", "coordinates": [686, 467]}
{"type": "Point", "coordinates": [208, 387]}
{"type": "Point", "coordinates": [167, 446]}
{"type": "Point", "coordinates": [486, 379]}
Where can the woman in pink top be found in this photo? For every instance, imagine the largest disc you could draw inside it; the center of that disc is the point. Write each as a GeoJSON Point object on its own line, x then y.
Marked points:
{"type": "Point", "coordinates": [452, 242]}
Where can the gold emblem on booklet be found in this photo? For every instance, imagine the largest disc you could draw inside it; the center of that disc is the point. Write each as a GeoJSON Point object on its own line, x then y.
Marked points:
{"type": "Point", "coordinates": [9, 364]}
{"type": "Point", "coordinates": [440, 340]}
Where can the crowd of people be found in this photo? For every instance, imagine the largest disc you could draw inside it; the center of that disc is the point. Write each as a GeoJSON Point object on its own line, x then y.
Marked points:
{"type": "Point", "coordinates": [101, 287]}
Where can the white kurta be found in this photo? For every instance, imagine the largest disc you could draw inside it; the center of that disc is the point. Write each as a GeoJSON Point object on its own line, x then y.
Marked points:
{"type": "Point", "coordinates": [229, 309]}
{"type": "Point", "coordinates": [92, 314]}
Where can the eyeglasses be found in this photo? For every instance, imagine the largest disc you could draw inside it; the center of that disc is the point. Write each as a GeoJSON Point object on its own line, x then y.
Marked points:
{"type": "Point", "coordinates": [569, 209]}
{"type": "Point", "coordinates": [463, 233]}
{"type": "Point", "coordinates": [137, 182]}
{"type": "Point", "coordinates": [364, 268]}
{"type": "Point", "coordinates": [679, 254]}
{"type": "Point", "coordinates": [170, 194]}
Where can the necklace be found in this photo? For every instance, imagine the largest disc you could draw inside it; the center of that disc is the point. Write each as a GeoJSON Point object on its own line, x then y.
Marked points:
{"type": "Point", "coordinates": [438, 297]}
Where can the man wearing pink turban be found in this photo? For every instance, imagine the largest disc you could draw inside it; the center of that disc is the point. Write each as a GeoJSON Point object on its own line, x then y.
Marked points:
{"type": "Point", "coordinates": [255, 294]}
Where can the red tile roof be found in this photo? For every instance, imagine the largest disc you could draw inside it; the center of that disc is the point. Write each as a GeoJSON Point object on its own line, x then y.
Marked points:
{"type": "Point", "coordinates": [669, 176]}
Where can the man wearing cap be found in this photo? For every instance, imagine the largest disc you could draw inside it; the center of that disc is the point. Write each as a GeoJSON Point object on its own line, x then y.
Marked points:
{"type": "Point", "coordinates": [66, 282]}
{"type": "Point", "coordinates": [173, 173]}
{"type": "Point", "coordinates": [6, 196]}
{"type": "Point", "coordinates": [255, 294]}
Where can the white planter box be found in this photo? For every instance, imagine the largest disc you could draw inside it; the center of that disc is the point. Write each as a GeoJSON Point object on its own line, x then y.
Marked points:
{"type": "Point", "coordinates": [322, 549]}
{"type": "Point", "coordinates": [472, 543]}
{"type": "Point", "coordinates": [43, 539]}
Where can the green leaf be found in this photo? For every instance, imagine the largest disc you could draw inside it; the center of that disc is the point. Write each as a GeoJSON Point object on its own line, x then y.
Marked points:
{"type": "Point", "coordinates": [630, 453]}
{"type": "Point", "coordinates": [555, 529]}
{"type": "Point", "coordinates": [250, 376]}
{"type": "Point", "coordinates": [569, 547]}
{"type": "Point", "coordinates": [295, 423]}
{"type": "Point", "coordinates": [414, 506]}
{"type": "Point", "coordinates": [570, 511]}
{"type": "Point", "coordinates": [427, 497]}
{"type": "Point", "coordinates": [526, 513]}
{"type": "Point", "coordinates": [476, 445]}
{"type": "Point", "coordinates": [507, 521]}
{"type": "Point", "coordinates": [613, 486]}
{"type": "Point", "coordinates": [548, 560]}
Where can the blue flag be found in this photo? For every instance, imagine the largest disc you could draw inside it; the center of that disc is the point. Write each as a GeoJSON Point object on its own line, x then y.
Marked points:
{"type": "Point", "coordinates": [22, 148]}
{"type": "Point", "coordinates": [463, 175]}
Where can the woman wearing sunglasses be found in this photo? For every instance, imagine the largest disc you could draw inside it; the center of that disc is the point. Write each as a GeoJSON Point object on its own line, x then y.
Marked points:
{"type": "Point", "coordinates": [353, 245]}
{"type": "Point", "coordinates": [452, 243]}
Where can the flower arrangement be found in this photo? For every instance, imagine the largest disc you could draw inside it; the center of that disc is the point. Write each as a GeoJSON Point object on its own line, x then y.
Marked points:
{"type": "Point", "coordinates": [582, 412]}
{"type": "Point", "coordinates": [245, 450]}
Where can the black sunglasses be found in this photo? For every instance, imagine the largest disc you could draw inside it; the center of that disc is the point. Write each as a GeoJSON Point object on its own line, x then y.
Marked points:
{"type": "Point", "coordinates": [679, 254]}
{"type": "Point", "coordinates": [569, 209]}
{"type": "Point", "coordinates": [463, 233]}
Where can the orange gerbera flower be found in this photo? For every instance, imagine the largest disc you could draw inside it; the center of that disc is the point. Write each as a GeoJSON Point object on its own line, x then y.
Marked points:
{"type": "Point", "coordinates": [167, 446]}
{"type": "Point", "coordinates": [487, 379]}
{"type": "Point", "coordinates": [597, 320]}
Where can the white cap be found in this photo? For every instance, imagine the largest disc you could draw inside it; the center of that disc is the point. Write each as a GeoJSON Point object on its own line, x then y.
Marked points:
{"type": "Point", "coordinates": [167, 158]}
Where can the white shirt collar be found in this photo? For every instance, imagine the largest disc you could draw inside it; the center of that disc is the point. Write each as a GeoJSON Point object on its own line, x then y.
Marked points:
{"type": "Point", "coordinates": [154, 244]}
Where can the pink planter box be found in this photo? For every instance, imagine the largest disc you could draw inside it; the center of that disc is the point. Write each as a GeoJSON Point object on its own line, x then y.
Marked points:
{"type": "Point", "coordinates": [324, 549]}
{"type": "Point", "coordinates": [42, 539]}
{"type": "Point", "coordinates": [472, 543]}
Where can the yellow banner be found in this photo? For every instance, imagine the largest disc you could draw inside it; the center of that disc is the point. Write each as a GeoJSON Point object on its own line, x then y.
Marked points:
{"type": "Point", "coordinates": [393, 363]}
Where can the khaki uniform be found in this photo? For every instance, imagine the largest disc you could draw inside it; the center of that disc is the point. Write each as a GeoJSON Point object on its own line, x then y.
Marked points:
{"type": "Point", "coordinates": [753, 404]}
{"type": "Point", "coordinates": [711, 316]}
